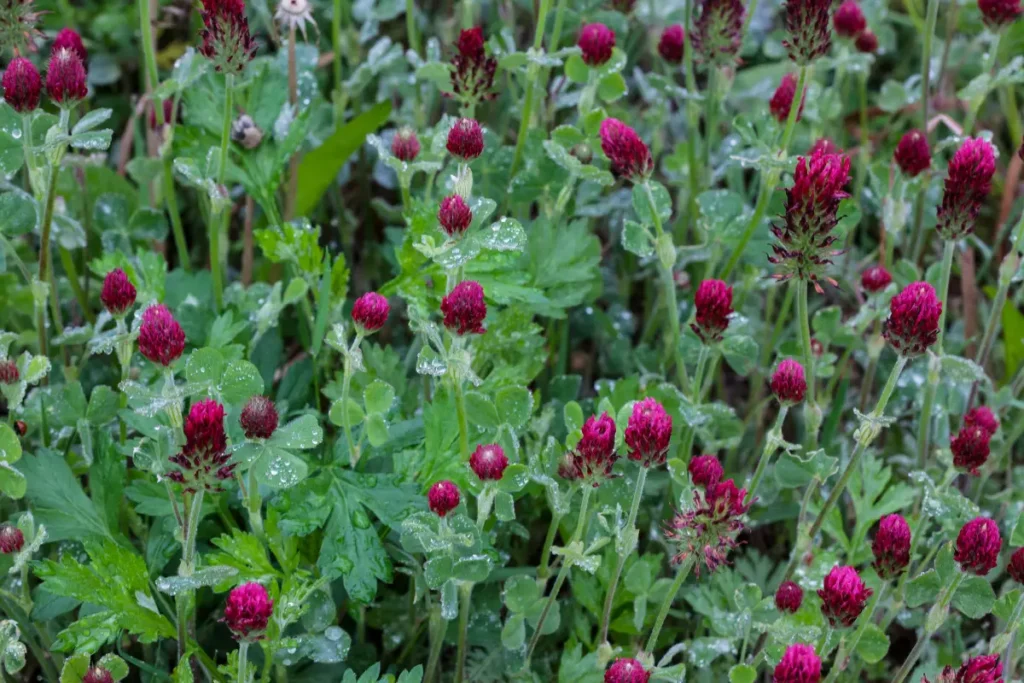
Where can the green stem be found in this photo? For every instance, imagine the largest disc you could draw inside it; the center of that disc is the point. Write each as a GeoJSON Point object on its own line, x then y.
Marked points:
{"type": "Point", "coordinates": [936, 614]}
{"type": "Point", "coordinates": [764, 194]}
{"type": "Point", "coordinates": [924, 428]}
{"type": "Point", "coordinates": [437, 629]}
{"type": "Point", "coordinates": [804, 318]}
{"type": "Point", "coordinates": [177, 229]}
{"type": "Point", "coordinates": [710, 119]}
{"type": "Point", "coordinates": [672, 354]}
{"type": "Point", "coordinates": [545, 554]}
{"type": "Point", "coordinates": [412, 35]}
{"type": "Point", "coordinates": [848, 648]}
{"type": "Point", "coordinates": [44, 250]}
{"type": "Point", "coordinates": [255, 506]}
{"type": "Point", "coordinates": [975, 104]}
{"type": "Point", "coordinates": [243, 661]}
{"type": "Point", "coordinates": [1011, 626]}
{"type": "Point", "coordinates": [460, 409]}
{"type": "Point", "coordinates": [693, 126]}
{"type": "Point", "coordinates": [531, 79]}
{"type": "Point", "coordinates": [862, 157]}
{"type": "Point", "coordinates": [666, 604]}
{"type": "Point", "coordinates": [623, 552]}
{"type": "Point", "coordinates": [216, 220]}
{"type": "Point", "coordinates": [465, 597]}
{"type": "Point", "coordinates": [926, 58]}
{"type": "Point", "coordinates": [1008, 268]}
{"type": "Point", "coordinates": [346, 422]}
{"type": "Point", "coordinates": [766, 455]}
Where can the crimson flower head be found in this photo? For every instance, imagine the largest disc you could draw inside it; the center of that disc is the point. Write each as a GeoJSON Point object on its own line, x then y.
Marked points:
{"type": "Point", "coordinates": [789, 597]}
{"type": "Point", "coordinates": [465, 309]}
{"type": "Point", "coordinates": [225, 34]}
{"type": "Point", "coordinates": [443, 497]}
{"type": "Point", "coordinates": [259, 418]}
{"type": "Point", "coordinates": [454, 215]}
{"type": "Point", "coordinates": [22, 85]}
{"type": "Point", "coordinates": [11, 539]}
{"type": "Point", "coordinates": [713, 304]}
{"type": "Point", "coordinates": [807, 26]}
{"type": "Point", "coordinates": [968, 182]}
{"type": "Point", "coordinates": [248, 611]}
{"type": "Point", "coordinates": [978, 546]}
{"type": "Point", "coordinates": [799, 664]}
{"type": "Point", "coordinates": [970, 448]}
{"type": "Point", "coordinates": [788, 382]}
{"type": "Point", "coordinates": [812, 212]}
{"type": "Point", "coordinates": [672, 44]}
{"type": "Point", "coordinates": [65, 78]}
{"type": "Point", "coordinates": [466, 139]}
{"type": "Point", "coordinates": [596, 42]}
{"type": "Point", "coordinates": [69, 38]}
{"type": "Point", "coordinates": [913, 323]}
{"type": "Point", "coordinates": [1015, 567]}
{"type": "Point", "coordinates": [875, 279]}
{"type": "Point", "coordinates": [118, 293]}
{"type": "Point", "coordinates": [591, 461]}
{"type": "Point", "coordinates": [867, 42]}
{"type": "Point", "coordinates": [405, 145]}
{"type": "Point", "coordinates": [999, 14]}
{"type": "Point", "coordinates": [97, 674]}
{"type": "Point", "coordinates": [161, 338]}
{"type": "Point", "coordinates": [705, 471]}
{"type": "Point", "coordinates": [202, 462]}
{"type": "Point", "coordinates": [370, 312]}
{"type": "Point", "coordinates": [626, 671]}
{"type": "Point", "coordinates": [891, 546]}
{"type": "Point", "coordinates": [849, 20]}
{"type": "Point", "coordinates": [628, 154]}
{"type": "Point", "coordinates": [9, 373]}
{"type": "Point", "coordinates": [985, 669]}
{"type": "Point", "coordinates": [782, 100]}
{"type": "Point", "coordinates": [718, 32]}
{"type": "Point", "coordinates": [707, 530]}
{"type": "Point", "coordinates": [825, 145]}
{"type": "Point", "coordinates": [843, 596]}
{"type": "Point", "coordinates": [488, 462]}
{"type": "Point", "coordinates": [648, 432]}
{"type": "Point", "coordinates": [912, 154]}
{"type": "Point", "coordinates": [982, 416]}
{"type": "Point", "coordinates": [473, 76]}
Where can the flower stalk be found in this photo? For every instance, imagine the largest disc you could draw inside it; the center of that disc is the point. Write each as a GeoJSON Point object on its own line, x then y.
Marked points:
{"type": "Point", "coordinates": [924, 429]}
{"type": "Point", "coordinates": [936, 617]}
{"type": "Point", "coordinates": [218, 221]}
{"type": "Point", "coordinates": [626, 545]}
{"type": "Point", "coordinates": [666, 604]}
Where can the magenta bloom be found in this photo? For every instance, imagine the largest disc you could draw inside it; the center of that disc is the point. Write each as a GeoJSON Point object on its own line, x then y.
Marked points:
{"type": "Point", "coordinates": [370, 311]}
{"type": "Point", "coordinates": [798, 665]}
{"type": "Point", "coordinates": [866, 42]}
{"type": "Point", "coordinates": [982, 416]}
{"type": "Point", "coordinates": [891, 546]}
{"type": "Point", "coordinates": [875, 279]}
{"type": "Point", "coordinates": [202, 462]}
{"type": "Point", "coordinates": [968, 182]}
{"type": "Point", "coordinates": [648, 433]}
{"type": "Point", "coordinates": [843, 596]}
{"type": "Point", "coordinates": [225, 34]}
{"type": "Point", "coordinates": [788, 382]}
{"type": "Point", "coordinates": [999, 13]}
{"type": "Point", "coordinates": [405, 145]}
{"type": "Point", "coordinates": [913, 323]}
{"type": "Point", "coordinates": [248, 611]}
{"type": "Point", "coordinates": [782, 100]}
{"type": "Point", "coordinates": [627, 153]}
{"type": "Point", "coordinates": [9, 373]}
{"type": "Point", "coordinates": [978, 546]}
{"type": "Point", "coordinates": [985, 669]}
{"type": "Point", "coordinates": [592, 460]}
{"type": "Point", "coordinates": [849, 20]}
{"type": "Point", "coordinates": [1015, 567]}
{"type": "Point", "coordinates": [672, 44]}
{"type": "Point", "coordinates": [473, 76]}
{"type": "Point", "coordinates": [713, 304]}
{"type": "Point", "coordinates": [488, 462]}
{"type": "Point", "coordinates": [65, 78]}
{"type": "Point", "coordinates": [443, 497]}
{"type": "Point", "coordinates": [596, 42]}
{"type": "Point", "coordinates": [22, 85]}
{"type": "Point", "coordinates": [259, 418]}
{"type": "Point", "coordinates": [708, 530]}
{"type": "Point", "coordinates": [805, 236]}
{"type": "Point", "coordinates": [161, 338]}
{"type": "Point", "coordinates": [465, 309]}
{"type": "Point", "coordinates": [97, 674]}
{"type": "Point", "coordinates": [68, 38]}
{"type": "Point", "coordinates": [118, 293]}
{"type": "Point", "coordinates": [626, 671]}
{"type": "Point", "coordinates": [807, 26]}
{"type": "Point", "coordinates": [789, 597]}
{"type": "Point", "coordinates": [705, 471]}
{"type": "Point", "coordinates": [11, 539]}
{"type": "Point", "coordinates": [466, 140]}
{"type": "Point", "coordinates": [912, 154]}
{"type": "Point", "coordinates": [718, 31]}
{"type": "Point", "coordinates": [454, 215]}
{"type": "Point", "coordinates": [970, 449]}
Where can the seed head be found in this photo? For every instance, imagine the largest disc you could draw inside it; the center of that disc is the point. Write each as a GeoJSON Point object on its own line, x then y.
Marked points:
{"type": "Point", "coordinates": [248, 611]}
{"type": "Point", "coordinates": [11, 539]}
{"type": "Point", "coordinates": [718, 32]}
{"type": "Point", "coordinates": [118, 294]}
{"type": "Point", "coordinates": [488, 462]}
{"type": "Point", "coordinates": [202, 462]}
{"type": "Point", "coordinates": [465, 309]}
{"type": "Point", "coordinates": [782, 100]}
{"type": "Point", "coordinates": [875, 279]}
{"type": "Point", "coordinates": [626, 671]}
{"type": "Point", "coordinates": [807, 26]}
{"type": "Point", "coordinates": [259, 418]}
{"type": "Point", "coordinates": [968, 182]}
{"type": "Point", "coordinates": [454, 215]}
{"type": "Point", "coordinates": [596, 42]}
{"type": "Point", "coordinates": [789, 597]}
{"type": "Point", "coordinates": [798, 665]}
{"type": "Point", "coordinates": [913, 323]}
{"type": "Point", "coordinates": [788, 382]}
{"type": "Point", "coordinates": [707, 530]}
{"type": "Point", "coordinates": [627, 153]}
{"type": "Point", "coordinates": [982, 416]}
{"type": "Point", "coordinates": [672, 44]}
{"type": "Point", "coordinates": [226, 39]}
{"type": "Point", "coordinates": [705, 471]}
{"type": "Point", "coordinates": [970, 449]}
{"type": "Point", "coordinates": [592, 460]}
{"type": "Point", "coordinates": [443, 497]}
{"type": "Point", "coordinates": [843, 596]}
{"type": "Point", "coordinates": [370, 312]}
{"type": "Point", "coordinates": [912, 154]}
{"type": "Point", "coordinates": [648, 433]}
{"type": "Point", "coordinates": [65, 78]}
{"type": "Point", "coordinates": [69, 38]}
{"type": "Point", "coordinates": [466, 139]}
{"type": "Point", "coordinates": [161, 338]}
{"type": "Point", "coordinates": [891, 546]}
{"type": "Point", "coordinates": [405, 145]}
{"type": "Point", "coordinates": [22, 85]}
{"type": "Point", "coordinates": [978, 546]}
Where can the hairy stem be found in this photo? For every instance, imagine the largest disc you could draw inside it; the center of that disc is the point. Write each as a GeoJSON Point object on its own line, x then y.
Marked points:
{"type": "Point", "coordinates": [666, 604]}
{"type": "Point", "coordinates": [623, 551]}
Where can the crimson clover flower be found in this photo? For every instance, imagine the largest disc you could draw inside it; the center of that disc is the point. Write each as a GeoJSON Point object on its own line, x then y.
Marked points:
{"type": "Point", "coordinates": [97, 674]}
{"type": "Point", "coordinates": [977, 546]}
{"type": "Point", "coordinates": [705, 471]}
{"type": "Point", "coordinates": [203, 460]}
{"type": "Point", "coordinates": [259, 418]}
{"type": "Point", "coordinates": [465, 139]}
{"type": "Point", "coordinates": [248, 610]}
{"type": "Point", "coordinates": [161, 338]}
{"type": "Point", "coordinates": [672, 44]}
{"type": "Point", "coordinates": [226, 39]}
{"type": "Point", "coordinates": [12, 540]}
{"type": "Point", "coordinates": [843, 596]}
{"type": "Point", "coordinates": [473, 76]}
{"type": "Point", "coordinates": [912, 154]}
{"type": "Point", "coordinates": [22, 85]}
{"type": "Point", "coordinates": [596, 43]}
{"type": "Point", "coordinates": [454, 215]}
{"type": "Point", "coordinates": [968, 182]}
{"type": "Point", "coordinates": [799, 664]}
{"type": "Point", "coordinates": [718, 32]}
{"type": "Point", "coordinates": [782, 100]}
{"type": "Point", "coordinates": [118, 293]}
{"type": "Point", "coordinates": [591, 461]}
{"type": "Point", "coordinates": [789, 383]}
{"type": "Point", "coordinates": [985, 669]}
{"type": "Point", "coordinates": [370, 312]}
{"type": "Point", "coordinates": [648, 432]}
{"type": "Point", "coordinates": [875, 279]}
{"type": "Point", "coordinates": [706, 532]}
{"type": "Point", "coordinates": [807, 27]}
{"type": "Point", "coordinates": [465, 309]}
{"type": "Point", "coordinates": [70, 39]}
{"type": "Point", "coordinates": [405, 146]}
{"type": "Point", "coordinates": [982, 416]}
{"type": "Point", "coordinates": [970, 448]}
{"type": "Point", "coordinates": [9, 373]}
{"type": "Point", "coordinates": [913, 322]}
{"type": "Point", "coordinates": [488, 462]}
{"type": "Point", "coordinates": [891, 546]}
{"type": "Point", "coordinates": [713, 304]}
{"type": "Point", "coordinates": [849, 20]}
{"type": "Point", "coordinates": [998, 14]}
{"type": "Point", "coordinates": [626, 671]}
{"type": "Point", "coordinates": [443, 497]}
{"type": "Point", "coordinates": [65, 78]}
{"type": "Point", "coordinates": [789, 597]}
{"type": "Point", "coordinates": [629, 156]}
{"type": "Point", "coordinates": [1015, 567]}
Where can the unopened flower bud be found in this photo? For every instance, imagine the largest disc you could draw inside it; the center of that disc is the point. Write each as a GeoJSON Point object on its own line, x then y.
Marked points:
{"type": "Point", "coordinates": [875, 279]}
{"type": "Point", "coordinates": [977, 546]}
{"type": "Point", "coordinates": [488, 462]}
{"type": "Point", "coordinates": [789, 383]}
{"type": "Point", "coordinates": [629, 156]}
{"type": "Point", "coordinates": [405, 145]}
{"type": "Point", "coordinates": [866, 42]}
{"type": "Point", "coordinates": [65, 78]}
{"type": "Point", "coordinates": [97, 674]}
{"type": "Point", "coordinates": [968, 183]}
{"type": "Point", "coordinates": [782, 100]}
{"type": "Point", "coordinates": [9, 373]}
{"type": "Point", "coordinates": [843, 596]}
{"type": "Point", "coordinates": [789, 597]}
{"type": "Point", "coordinates": [799, 664]}
{"type": "Point", "coordinates": [891, 546]}
{"type": "Point", "coordinates": [259, 418]}
{"type": "Point", "coordinates": [718, 32]}
{"type": "Point", "coordinates": [1015, 567]}
{"type": "Point", "coordinates": [454, 215]}
{"type": "Point", "coordinates": [705, 470]}
{"type": "Point", "coordinates": [466, 140]}
{"type": "Point", "coordinates": [118, 293]}
{"type": "Point", "coordinates": [807, 26]}
{"type": "Point", "coordinates": [161, 338]}
{"type": "Point", "coordinates": [713, 304]}
{"type": "Point", "coordinates": [982, 416]}
{"type": "Point", "coordinates": [912, 154]}
{"type": "Point", "coordinates": [226, 39]}
{"type": "Point", "coordinates": [248, 611]}
{"type": "Point", "coordinates": [370, 311]}
{"type": "Point", "coordinates": [672, 44]}
{"type": "Point", "coordinates": [11, 539]}
{"type": "Point", "coordinates": [970, 449]}
{"type": "Point", "coordinates": [70, 39]}
{"type": "Point", "coordinates": [22, 85]}
{"type": "Point", "coordinates": [913, 323]}
{"type": "Point", "coordinates": [443, 497]}
{"type": "Point", "coordinates": [626, 671]}
{"type": "Point", "coordinates": [999, 13]}
{"type": "Point", "coordinates": [596, 42]}
{"type": "Point", "coordinates": [849, 20]}
{"type": "Point", "coordinates": [648, 432]}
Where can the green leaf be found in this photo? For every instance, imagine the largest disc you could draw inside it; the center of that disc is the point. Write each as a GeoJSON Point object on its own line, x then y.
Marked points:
{"type": "Point", "coordinates": [58, 501]}
{"type": "Point", "coordinates": [319, 168]}
{"type": "Point", "coordinates": [742, 673]}
{"type": "Point", "coordinates": [514, 404]}
{"type": "Point", "coordinates": [378, 397]}
{"type": "Point", "coordinates": [480, 410]}
{"type": "Point", "coordinates": [576, 70]}
{"type": "Point", "coordinates": [873, 645]}
{"type": "Point", "coordinates": [974, 598]}
{"type": "Point", "coordinates": [504, 506]}
{"type": "Point", "coordinates": [91, 120]}
{"type": "Point", "coordinates": [279, 469]}
{"type": "Point", "coordinates": [611, 87]}
{"type": "Point", "coordinates": [963, 370]}
{"type": "Point", "coordinates": [10, 445]}
{"type": "Point", "coordinates": [637, 239]}
{"type": "Point", "coordinates": [303, 432]}
{"type": "Point", "coordinates": [376, 430]}
{"type": "Point", "coordinates": [642, 205]}
{"type": "Point", "coordinates": [741, 353]}
{"type": "Point", "coordinates": [19, 210]}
